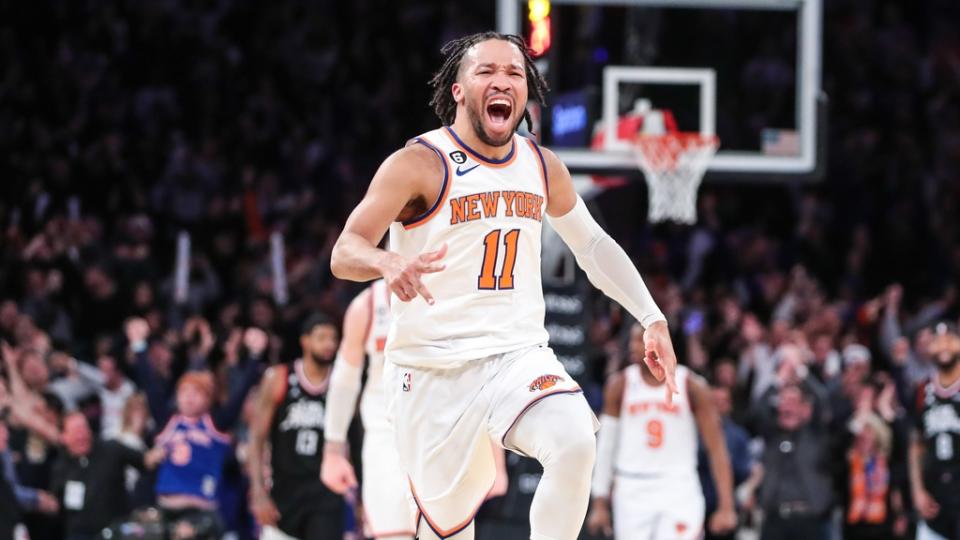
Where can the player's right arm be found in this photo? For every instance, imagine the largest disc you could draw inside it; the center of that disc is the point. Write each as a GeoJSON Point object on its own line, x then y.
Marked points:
{"type": "Point", "coordinates": [924, 502]}
{"type": "Point", "coordinates": [336, 471]}
{"type": "Point", "coordinates": [261, 505]}
{"type": "Point", "coordinates": [398, 191]}
{"type": "Point", "coordinates": [599, 519]}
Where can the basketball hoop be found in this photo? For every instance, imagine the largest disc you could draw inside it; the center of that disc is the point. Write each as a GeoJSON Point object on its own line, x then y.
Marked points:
{"type": "Point", "coordinates": [673, 164]}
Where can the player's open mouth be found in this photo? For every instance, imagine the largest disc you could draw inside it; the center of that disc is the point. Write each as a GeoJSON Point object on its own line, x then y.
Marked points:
{"type": "Point", "coordinates": [499, 110]}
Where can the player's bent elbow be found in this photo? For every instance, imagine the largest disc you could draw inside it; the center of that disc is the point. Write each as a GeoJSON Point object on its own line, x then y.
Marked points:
{"type": "Point", "coordinates": [338, 265]}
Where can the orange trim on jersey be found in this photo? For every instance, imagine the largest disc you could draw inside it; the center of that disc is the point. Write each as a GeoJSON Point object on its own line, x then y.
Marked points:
{"type": "Point", "coordinates": [542, 164]}
{"type": "Point", "coordinates": [437, 530]}
{"type": "Point", "coordinates": [531, 403]}
{"type": "Point", "coordinates": [478, 157]}
{"type": "Point", "coordinates": [278, 398]}
{"type": "Point", "coordinates": [444, 190]}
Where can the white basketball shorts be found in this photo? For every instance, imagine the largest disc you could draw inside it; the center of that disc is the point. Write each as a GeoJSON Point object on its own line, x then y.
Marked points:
{"type": "Point", "coordinates": [658, 508]}
{"type": "Point", "coordinates": [445, 418]}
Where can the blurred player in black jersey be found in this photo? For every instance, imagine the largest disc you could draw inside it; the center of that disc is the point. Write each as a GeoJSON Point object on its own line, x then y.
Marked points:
{"type": "Point", "coordinates": [290, 411]}
{"type": "Point", "coordinates": [934, 461]}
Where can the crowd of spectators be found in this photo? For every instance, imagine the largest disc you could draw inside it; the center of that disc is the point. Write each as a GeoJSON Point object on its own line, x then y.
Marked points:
{"type": "Point", "coordinates": [123, 123]}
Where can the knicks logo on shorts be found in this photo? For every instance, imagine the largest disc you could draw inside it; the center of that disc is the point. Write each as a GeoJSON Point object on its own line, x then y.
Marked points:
{"type": "Point", "coordinates": [545, 382]}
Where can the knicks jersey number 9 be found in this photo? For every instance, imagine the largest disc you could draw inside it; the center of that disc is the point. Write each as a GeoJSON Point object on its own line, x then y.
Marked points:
{"type": "Point", "coordinates": [491, 247]}
{"type": "Point", "coordinates": [654, 433]}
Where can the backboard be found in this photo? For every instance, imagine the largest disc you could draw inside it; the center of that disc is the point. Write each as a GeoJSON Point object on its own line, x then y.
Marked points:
{"type": "Point", "coordinates": [762, 95]}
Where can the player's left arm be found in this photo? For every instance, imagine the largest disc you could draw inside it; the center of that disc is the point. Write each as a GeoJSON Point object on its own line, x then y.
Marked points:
{"type": "Point", "coordinates": [608, 267]}
{"type": "Point", "coordinates": [336, 472]}
{"type": "Point", "coordinates": [710, 425]}
{"type": "Point", "coordinates": [347, 372]}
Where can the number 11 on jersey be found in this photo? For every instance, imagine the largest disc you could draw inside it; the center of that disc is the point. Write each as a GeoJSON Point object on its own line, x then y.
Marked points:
{"type": "Point", "coordinates": [488, 281]}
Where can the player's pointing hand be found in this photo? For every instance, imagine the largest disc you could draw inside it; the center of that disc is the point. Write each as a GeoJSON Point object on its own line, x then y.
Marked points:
{"type": "Point", "coordinates": [403, 276]}
{"type": "Point", "coordinates": [660, 357]}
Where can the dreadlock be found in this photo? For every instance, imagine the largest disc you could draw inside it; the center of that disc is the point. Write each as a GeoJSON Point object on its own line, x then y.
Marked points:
{"type": "Point", "coordinates": [442, 101]}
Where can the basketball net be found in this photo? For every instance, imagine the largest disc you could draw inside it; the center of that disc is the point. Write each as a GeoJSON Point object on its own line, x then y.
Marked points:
{"type": "Point", "coordinates": [673, 164]}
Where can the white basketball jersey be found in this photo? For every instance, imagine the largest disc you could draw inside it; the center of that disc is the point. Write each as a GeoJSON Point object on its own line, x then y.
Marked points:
{"type": "Point", "coordinates": [373, 405]}
{"type": "Point", "coordinates": [656, 439]}
{"type": "Point", "coordinates": [489, 299]}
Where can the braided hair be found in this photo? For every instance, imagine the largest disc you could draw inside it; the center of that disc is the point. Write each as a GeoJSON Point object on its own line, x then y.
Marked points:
{"type": "Point", "coordinates": [442, 101]}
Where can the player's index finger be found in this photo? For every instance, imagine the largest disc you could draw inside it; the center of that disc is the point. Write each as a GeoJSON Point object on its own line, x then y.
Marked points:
{"type": "Point", "coordinates": [424, 292]}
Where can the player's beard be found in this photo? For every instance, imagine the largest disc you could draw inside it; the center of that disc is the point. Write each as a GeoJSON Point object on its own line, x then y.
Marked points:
{"type": "Point", "coordinates": [946, 366]}
{"type": "Point", "coordinates": [476, 120]}
{"type": "Point", "coordinates": [320, 360]}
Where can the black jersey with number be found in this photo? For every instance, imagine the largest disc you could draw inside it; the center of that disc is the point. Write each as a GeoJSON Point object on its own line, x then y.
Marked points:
{"type": "Point", "coordinates": [296, 441]}
{"type": "Point", "coordinates": [938, 421]}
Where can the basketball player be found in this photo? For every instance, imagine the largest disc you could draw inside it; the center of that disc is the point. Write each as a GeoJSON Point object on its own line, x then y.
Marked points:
{"type": "Point", "coordinates": [647, 452]}
{"type": "Point", "coordinates": [467, 355]}
{"type": "Point", "coordinates": [289, 414]}
{"type": "Point", "coordinates": [389, 511]}
{"type": "Point", "coordinates": [935, 441]}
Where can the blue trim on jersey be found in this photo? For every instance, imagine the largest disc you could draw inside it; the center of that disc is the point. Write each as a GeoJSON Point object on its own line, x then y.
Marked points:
{"type": "Point", "coordinates": [443, 186]}
{"type": "Point", "coordinates": [543, 162]}
{"type": "Point", "coordinates": [480, 157]}
{"type": "Point", "coordinates": [503, 441]}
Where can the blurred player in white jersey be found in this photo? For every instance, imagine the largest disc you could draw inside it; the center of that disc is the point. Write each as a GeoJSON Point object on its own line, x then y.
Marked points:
{"type": "Point", "coordinates": [647, 457]}
{"type": "Point", "coordinates": [388, 510]}
{"type": "Point", "coordinates": [467, 355]}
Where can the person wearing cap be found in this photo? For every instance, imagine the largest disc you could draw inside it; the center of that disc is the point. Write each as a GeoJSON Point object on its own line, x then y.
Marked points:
{"type": "Point", "coordinates": [935, 441]}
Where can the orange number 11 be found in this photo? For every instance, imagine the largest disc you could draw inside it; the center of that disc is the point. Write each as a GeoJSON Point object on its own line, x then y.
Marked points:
{"type": "Point", "coordinates": [491, 247]}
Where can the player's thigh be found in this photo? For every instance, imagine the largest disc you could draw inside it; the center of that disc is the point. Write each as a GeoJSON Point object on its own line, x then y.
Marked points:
{"type": "Point", "coordinates": [682, 518]}
{"type": "Point", "coordinates": [634, 523]}
{"type": "Point", "coordinates": [527, 378]}
{"type": "Point", "coordinates": [634, 508]}
{"type": "Point", "coordinates": [657, 508]}
{"type": "Point", "coordinates": [387, 503]}
{"type": "Point", "coordinates": [440, 419]}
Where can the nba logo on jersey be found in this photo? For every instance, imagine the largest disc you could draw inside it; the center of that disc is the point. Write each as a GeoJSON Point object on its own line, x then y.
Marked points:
{"type": "Point", "coordinates": [406, 382]}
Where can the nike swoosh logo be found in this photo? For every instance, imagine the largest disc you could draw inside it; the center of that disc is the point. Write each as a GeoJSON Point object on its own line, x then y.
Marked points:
{"type": "Point", "coordinates": [465, 171]}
